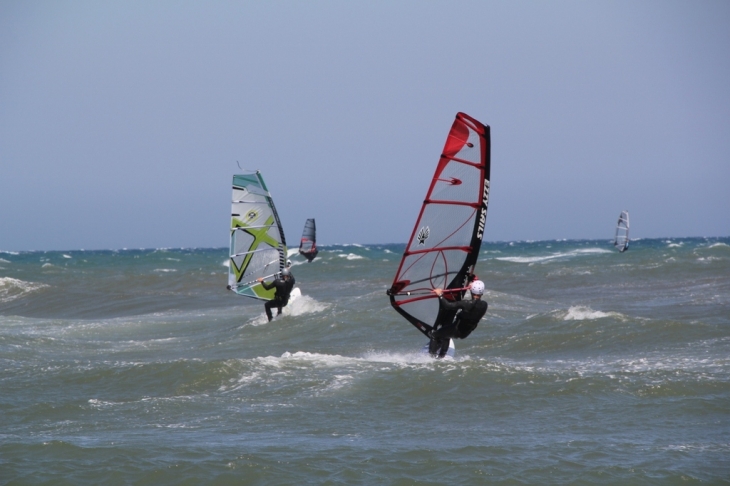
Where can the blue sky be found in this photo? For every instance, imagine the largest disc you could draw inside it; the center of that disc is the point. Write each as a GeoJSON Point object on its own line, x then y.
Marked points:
{"type": "Point", "coordinates": [121, 123]}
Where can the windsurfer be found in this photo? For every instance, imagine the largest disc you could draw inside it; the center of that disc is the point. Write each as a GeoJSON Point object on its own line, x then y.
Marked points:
{"type": "Point", "coordinates": [284, 286]}
{"type": "Point", "coordinates": [460, 326]}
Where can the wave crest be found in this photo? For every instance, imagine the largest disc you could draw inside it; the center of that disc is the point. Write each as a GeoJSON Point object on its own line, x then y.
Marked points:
{"type": "Point", "coordinates": [553, 256]}
{"type": "Point", "coordinates": [12, 288]}
{"type": "Point", "coordinates": [582, 313]}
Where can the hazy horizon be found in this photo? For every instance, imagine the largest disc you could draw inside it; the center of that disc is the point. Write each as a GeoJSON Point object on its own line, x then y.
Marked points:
{"type": "Point", "coordinates": [606, 241]}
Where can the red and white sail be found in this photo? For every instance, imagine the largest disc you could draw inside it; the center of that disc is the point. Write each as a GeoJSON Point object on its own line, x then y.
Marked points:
{"type": "Point", "coordinates": [444, 245]}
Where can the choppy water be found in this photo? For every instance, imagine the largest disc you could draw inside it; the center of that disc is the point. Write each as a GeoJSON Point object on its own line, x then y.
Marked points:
{"type": "Point", "coordinates": [138, 367]}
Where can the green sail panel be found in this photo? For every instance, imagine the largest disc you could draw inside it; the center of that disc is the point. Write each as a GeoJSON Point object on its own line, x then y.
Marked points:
{"type": "Point", "coordinates": [258, 245]}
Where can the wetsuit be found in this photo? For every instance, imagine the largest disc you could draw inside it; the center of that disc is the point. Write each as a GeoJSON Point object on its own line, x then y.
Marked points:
{"type": "Point", "coordinates": [469, 312]}
{"type": "Point", "coordinates": [281, 297]}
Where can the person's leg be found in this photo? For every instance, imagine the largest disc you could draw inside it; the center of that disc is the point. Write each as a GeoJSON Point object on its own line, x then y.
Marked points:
{"type": "Point", "coordinates": [268, 305]}
{"type": "Point", "coordinates": [440, 339]}
{"type": "Point", "coordinates": [444, 347]}
{"type": "Point", "coordinates": [434, 346]}
{"type": "Point", "coordinates": [279, 310]}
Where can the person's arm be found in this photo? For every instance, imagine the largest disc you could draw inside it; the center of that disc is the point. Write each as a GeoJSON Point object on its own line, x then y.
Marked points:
{"type": "Point", "coordinates": [266, 286]}
{"type": "Point", "coordinates": [445, 303]}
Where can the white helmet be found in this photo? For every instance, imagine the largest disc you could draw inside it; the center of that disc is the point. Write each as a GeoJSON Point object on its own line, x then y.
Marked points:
{"type": "Point", "coordinates": [477, 287]}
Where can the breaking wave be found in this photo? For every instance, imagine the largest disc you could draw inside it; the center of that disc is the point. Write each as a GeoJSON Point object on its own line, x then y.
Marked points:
{"type": "Point", "coordinates": [553, 256]}
{"type": "Point", "coordinates": [582, 313]}
{"type": "Point", "coordinates": [298, 305]}
{"type": "Point", "coordinates": [12, 288]}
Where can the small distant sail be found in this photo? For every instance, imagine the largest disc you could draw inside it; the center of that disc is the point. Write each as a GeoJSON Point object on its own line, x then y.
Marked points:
{"type": "Point", "coordinates": [308, 245]}
{"type": "Point", "coordinates": [258, 246]}
{"type": "Point", "coordinates": [622, 232]}
{"type": "Point", "coordinates": [445, 242]}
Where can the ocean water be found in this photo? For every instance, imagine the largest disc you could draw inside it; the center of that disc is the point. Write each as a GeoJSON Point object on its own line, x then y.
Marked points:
{"type": "Point", "coordinates": [590, 367]}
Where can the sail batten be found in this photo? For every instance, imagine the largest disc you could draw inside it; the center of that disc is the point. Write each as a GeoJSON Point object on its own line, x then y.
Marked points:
{"type": "Point", "coordinates": [257, 245]}
{"type": "Point", "coordinates": [457, 203]}
{"type": "Point", "coordinates": [444, 245]}
{"type": "Point", "coordinates": [465, 249]}
{"type": "Point", "coordinates": [248, 227]}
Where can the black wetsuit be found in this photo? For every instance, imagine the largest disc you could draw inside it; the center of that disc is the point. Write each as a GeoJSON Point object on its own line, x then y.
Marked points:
{"type": "Point", "coordinates": [281, 297]}
{"type": "Point", "coordinates": [469, 314]}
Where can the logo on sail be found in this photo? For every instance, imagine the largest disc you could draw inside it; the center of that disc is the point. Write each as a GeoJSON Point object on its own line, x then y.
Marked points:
{"type": "Point", "coordinates": [423, 235]}
{"type": "Point", "coordinates": [483, 213]}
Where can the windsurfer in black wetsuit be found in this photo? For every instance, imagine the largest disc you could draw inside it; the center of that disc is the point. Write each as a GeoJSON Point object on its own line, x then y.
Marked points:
{"type": "Point", "coordinates": [469, 312]}
{"type": "Point", "coordinates": [283, 285]}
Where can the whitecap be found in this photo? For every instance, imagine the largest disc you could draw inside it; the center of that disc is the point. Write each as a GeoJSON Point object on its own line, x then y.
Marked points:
{"type": "Point", "coordinates": [527, 259]}
{"type": "Point", "coordinates": [313, 358]}
{"type": "Point", "coordinates": [12, 288]}
{"type": "Point", "coordinates": [592, 250]}
{"type": "Point", "coordinates": [164, 270]}
{"type": "Point", "coordinates": [302, 304]}
{"type": "Point", "coordinates": [553, 256]}
{"type": "Point", "coordinates": [351, 256]}
{"type": "Point", "coordinates": [298, 305]}
{"type": "Point", "coordinates": [581, 313]}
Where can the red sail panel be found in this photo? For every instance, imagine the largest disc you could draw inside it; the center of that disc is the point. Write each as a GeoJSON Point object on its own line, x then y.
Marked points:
{"type": "Point", "coordinates": [444, 246]}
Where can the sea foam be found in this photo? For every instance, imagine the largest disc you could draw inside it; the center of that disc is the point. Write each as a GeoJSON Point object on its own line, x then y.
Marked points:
{"type": "Point", "coordinates": [351, 256]}
{"type": "Point", "coordinates": [298, 305]}
{"type": "Point", "coordinates": [553, 256]}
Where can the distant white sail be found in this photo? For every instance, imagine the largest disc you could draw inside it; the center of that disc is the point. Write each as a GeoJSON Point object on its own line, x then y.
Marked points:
{"type": "Point", "coordinates": [622, 232]}
{"type": "Point", "coordinates": [258, 246]}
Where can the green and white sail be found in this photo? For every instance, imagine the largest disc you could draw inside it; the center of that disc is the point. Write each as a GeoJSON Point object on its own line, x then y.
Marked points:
{"type": "Point", "coordinates": [258, 246]}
